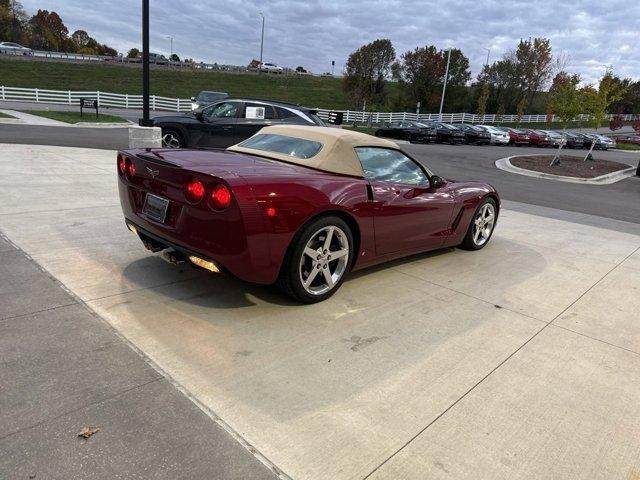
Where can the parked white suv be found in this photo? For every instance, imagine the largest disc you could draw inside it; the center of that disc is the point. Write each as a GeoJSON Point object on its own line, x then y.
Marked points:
{"type": "Point", "coordinates": [498, 137]}
{"type": "Point", "coordinates": [270, 67]}
{"type": "Point", "coordinates": [14, 48]}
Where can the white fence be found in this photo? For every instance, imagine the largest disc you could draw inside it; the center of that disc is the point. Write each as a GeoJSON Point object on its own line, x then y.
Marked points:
{"type": "Point", "coordinates": [117, 100]}
{"type": "Point", "coordinates": [105, 99]}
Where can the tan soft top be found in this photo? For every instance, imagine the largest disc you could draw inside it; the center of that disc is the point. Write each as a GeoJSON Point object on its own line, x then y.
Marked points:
{"type": "Point", "coordinates": [337, 155]}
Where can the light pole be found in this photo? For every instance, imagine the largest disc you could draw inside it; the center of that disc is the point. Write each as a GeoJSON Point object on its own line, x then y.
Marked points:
{"type": "Point", "coordinates": [444, 86]}
{"type": "Point", "coordinates": [169, 37]}
{"type": "Point", "coordinates": [488, 52]}
{"type": "Point", "coordinates": [145, 121]}
{"type": "Point", "coordinates": [261, 42]}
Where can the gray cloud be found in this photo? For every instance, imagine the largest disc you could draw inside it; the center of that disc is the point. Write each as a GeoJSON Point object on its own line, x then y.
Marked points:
{"type": "Point", "coordinates": [593, 34]}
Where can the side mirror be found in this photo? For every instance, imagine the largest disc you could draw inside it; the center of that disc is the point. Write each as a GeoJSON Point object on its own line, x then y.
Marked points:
{"type": "Point", "coordinates": [199, 115]}
{"type": "Point", "coordinates": [436, 181]}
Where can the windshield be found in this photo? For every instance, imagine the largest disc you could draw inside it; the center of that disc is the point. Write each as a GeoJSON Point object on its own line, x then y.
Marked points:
{"type": "Point", "coordinates": [291, 146]}
{"type": "Point", "coordinates": [211, 96]}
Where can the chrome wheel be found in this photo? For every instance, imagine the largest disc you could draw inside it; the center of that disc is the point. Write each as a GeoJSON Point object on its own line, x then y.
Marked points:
{"type": "Point", "coordinates": [324, 260]}
{"type": "Point", "coordinates": [483, 224]}
{"type": "Point", "coordinates": [171, 140]}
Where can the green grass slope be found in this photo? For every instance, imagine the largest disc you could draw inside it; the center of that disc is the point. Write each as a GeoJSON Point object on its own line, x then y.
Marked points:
{"type": "Point", "coordinates": [324, 92]}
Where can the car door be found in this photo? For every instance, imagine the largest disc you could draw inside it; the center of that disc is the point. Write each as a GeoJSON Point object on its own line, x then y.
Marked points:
{"type": "Point", "coordinates": [217, 125]}
{"type": "Point", "coordinates": [409, 214]}
{"type": "Point", "coordinates": [253, 117]}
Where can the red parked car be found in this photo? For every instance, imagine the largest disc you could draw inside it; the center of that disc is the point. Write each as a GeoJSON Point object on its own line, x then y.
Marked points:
{"type": "Point", "coordinates": [539, 138]}
{"type": "Point", "coordinates": [298, 206]}
{"type": "Point", "coordinates": [517, 137]}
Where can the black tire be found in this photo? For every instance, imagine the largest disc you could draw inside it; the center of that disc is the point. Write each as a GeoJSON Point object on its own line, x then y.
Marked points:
{"type": "Point", "coordinates": [407, 136]}
{"type": "Point", "coordinates": [289, 280]}
{"type": "Point", "coordinates": [468, 243]}
{"type": "Point", "coordinates": [378, 133]}
{"type": "Point", "coordinates": [176, 135]}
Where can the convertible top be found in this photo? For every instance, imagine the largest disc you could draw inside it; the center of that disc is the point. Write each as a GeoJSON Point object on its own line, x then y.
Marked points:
{"type": "Point", "coordinates": [337, 155]}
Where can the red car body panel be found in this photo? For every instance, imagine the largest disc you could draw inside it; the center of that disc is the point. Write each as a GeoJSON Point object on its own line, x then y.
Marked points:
{"type": "Point", "coordinates": [272, 200]}
{"type": "Point", "coordinates": [539, 140]}
{"type": "Point", "coordinates": [517, 138]}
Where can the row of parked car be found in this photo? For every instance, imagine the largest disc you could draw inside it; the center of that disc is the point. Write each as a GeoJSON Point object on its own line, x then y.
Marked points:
{"type": "Point", "coordinates": [439, 132]}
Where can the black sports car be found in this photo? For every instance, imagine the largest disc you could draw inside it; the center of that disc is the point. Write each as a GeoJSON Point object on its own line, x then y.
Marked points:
{"type": "Point", "coordinates": [408, 130]}
{"type": "Point", "coordinates": [229, 121]}
{"type": "Point", "coordinates": [573, 140]}
{"type": "Point", "coordinates": [447, 133]}
{"type": "Point", "coordinates": [474, 135]}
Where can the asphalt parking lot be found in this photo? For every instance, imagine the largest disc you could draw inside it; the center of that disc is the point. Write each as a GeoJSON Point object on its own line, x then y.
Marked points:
{"type": "Point", "coordinates": [517, 361]}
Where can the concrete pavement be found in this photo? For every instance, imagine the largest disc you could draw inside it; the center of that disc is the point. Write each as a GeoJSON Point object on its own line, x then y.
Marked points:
{"type": "Point", "coordinates": [521, 360]}
{"type": "Point", "coordinates": [63, 368]}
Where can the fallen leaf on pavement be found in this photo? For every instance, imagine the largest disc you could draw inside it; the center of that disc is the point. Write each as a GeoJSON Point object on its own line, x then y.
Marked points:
{"type": "Point", "coordinates": [86, 432]}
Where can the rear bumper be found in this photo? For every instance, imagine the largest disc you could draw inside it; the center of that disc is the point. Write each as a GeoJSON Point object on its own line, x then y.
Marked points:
{"type": "Point", "coordinates": [224, 241]}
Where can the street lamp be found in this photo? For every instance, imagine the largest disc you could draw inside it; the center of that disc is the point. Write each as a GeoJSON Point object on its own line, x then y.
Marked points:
{"type": "Point", "coordinates": [261, 42]}
{"type": "Point", "coordinates": [145, 121]}
{"type": "Point", "coordinates": [488, 52]}
{"type": "Point", "coordinates": [169, 37]}
{"type": "Point", "coordinates": [444, 86]}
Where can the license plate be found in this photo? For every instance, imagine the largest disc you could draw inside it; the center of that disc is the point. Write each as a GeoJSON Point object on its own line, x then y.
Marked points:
{"type": "Point", "coordinates": [155, 207]}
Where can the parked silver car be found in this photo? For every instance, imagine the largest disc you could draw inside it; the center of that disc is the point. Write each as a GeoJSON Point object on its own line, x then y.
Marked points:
{"type": "Point", "coordinates": [14, 49]}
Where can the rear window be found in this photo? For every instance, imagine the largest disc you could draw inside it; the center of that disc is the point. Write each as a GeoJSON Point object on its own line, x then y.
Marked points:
{"type": "Point", "coordinates": [291, 146]}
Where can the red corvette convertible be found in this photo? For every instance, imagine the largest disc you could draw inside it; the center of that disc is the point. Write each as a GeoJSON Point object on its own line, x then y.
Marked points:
{"type": "Point", "coordinates": [298, 206]}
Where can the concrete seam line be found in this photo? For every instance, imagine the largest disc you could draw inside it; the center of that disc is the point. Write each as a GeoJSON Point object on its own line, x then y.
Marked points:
{"type": "Point", "coordinates": [511, 355]}
{"type": "Point", "coordinates": [607, 179]}
{"type": "Point", "coordinates": [37, 424]}
{"type": "Point", "coordinates": [596, 339]}
{"type": "Point", "coordinates": [163, 374]}
{"type": "Point", "coordinates": [36, 312]}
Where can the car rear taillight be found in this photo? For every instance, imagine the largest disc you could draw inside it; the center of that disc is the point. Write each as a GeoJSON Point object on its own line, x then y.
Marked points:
{"type": "Point", "coordinates": [131, 168]}
{"type": "Point", "coordinates": [220, 196]}
{"type": "Point", "coordinates": [194, 191]}
{"type": "Point", "coordinates": [122, 165]}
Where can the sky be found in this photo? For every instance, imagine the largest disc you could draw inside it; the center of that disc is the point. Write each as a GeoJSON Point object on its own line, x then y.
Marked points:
{"type": "Point", "coordinates": [589, 34]}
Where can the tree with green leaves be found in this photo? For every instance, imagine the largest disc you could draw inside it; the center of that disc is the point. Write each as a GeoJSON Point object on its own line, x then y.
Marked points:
{"type": "Point", "coordinates": [482, 100]}
{"type": "Point", "coordinates": [12, 21]}
{"type": "Point", "coordinates": [367, 71]}
{"type": "Point", "coordinates": [133, 53]}
{"type": "Point", "coordinates": [419, 74]}
{"type": "Point", "coordinates": [174, 57]}
{"type": "Point", "coordinates": [565, 98]}
{"type": "Point", "coordinates": [597, 102]}
{"type": "Point", "coordinates": [535, 65]}
{"type": "Point", "coordinates": [522, 104]}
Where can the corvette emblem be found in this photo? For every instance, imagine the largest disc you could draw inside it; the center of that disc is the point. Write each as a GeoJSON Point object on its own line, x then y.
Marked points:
{"type": "Point", "coordinates": [153, 173]}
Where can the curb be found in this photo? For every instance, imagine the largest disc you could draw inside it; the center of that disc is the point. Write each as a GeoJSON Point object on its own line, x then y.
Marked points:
{"type": "Point", "coordinates": [609, 178]}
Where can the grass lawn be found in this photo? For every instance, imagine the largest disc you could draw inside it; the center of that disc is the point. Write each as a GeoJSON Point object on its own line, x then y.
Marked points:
{"type": "Point", "coordinates": [325, 92]}
{"type": "Point", "coordinates": [369, 131]}
{"type": "Point", "coordinates": [628, 146]}
{"type": "Point", "coordinates": [74, 117]}
{"type": "Point", "coordinates": [4, 115]}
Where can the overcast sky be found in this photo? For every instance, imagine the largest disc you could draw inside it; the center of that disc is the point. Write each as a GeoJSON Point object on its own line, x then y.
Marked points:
{"type": "Point", "coordinates": [592, 33]}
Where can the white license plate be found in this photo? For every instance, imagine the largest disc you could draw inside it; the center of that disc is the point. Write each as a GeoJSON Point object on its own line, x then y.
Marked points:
{"type": "Point", "coordinates": [155, 207]}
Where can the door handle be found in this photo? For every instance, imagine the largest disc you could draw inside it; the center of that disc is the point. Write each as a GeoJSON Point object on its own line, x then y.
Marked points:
{"type": "Point", "coordinates": [227, 127]}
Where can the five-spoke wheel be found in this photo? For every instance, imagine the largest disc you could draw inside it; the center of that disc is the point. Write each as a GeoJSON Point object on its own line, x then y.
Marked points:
{"type": "Point", "coordinates": [324, 260]}
{"type": "Point", "coordinates": [482, 225]}
{"type": "Point", "coordinates": [171, 139]}
{"type": "Point", "coordinates": [318, 260]}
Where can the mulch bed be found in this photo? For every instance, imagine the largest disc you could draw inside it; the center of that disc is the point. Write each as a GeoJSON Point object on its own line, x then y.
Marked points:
{"type": "Point", "coordinates": [570, 166]}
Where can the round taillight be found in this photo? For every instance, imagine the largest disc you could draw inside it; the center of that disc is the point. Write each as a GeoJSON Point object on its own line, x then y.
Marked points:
{"type": "Point", "coordinates": [122, 165]}
{"type": "Point", "coordinates": [131, 168]}
{"type": "Point", "coordinates": [220, 196]}
{"type": "Point", "coordinates": [195, 191]}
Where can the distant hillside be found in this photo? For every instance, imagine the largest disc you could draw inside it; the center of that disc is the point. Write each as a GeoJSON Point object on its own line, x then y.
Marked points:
{"type": "Point", "coordinates": [325, 92]}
